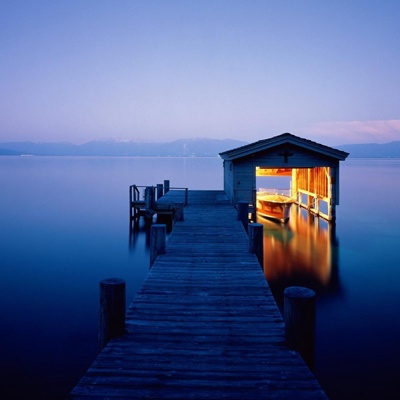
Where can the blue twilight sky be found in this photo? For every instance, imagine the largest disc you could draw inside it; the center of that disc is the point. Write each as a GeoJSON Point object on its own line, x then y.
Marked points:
{"type": "Point", "coordinates": [80, 70]}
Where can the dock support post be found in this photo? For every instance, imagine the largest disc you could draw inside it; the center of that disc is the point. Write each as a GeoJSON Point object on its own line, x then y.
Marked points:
{"type": "Point", "coordinates": [159, 190]}
{"type": "Point", "coordinates": [299, 316]}
{"type": "Point", "coordinates": [256, 244]}
{"type": "Point", "coordinates": [149, 196]}
{"type": "Point", "coordinates": [243, 213]}
{"type": "Point", "coordinates": [166, 186]}
{"type": "Point", "coordinates": [332, 212]}
{"type": "Point", "coordinates": [158, 237]}
{"type": "Point", "coordinates": [150, 199]}
{"type": "Point", "coordinates": [112, 310]}
{"type": "Point", "coordinates": [132, 212]}
{"type": "Point", "coordinates": [179, 213]}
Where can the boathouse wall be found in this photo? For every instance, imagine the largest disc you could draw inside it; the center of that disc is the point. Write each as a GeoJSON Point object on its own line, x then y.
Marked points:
{"type": "Point", "coordinates": [229, 178]}
{"type": "Point", "coordinates": [319, 163]}
{"type": "Point", "coordinates": [244, 181]}
{"type": "Point", "coordinates": [240, 175]}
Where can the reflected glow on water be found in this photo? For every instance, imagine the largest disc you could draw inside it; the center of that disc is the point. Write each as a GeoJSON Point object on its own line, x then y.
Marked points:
{"type": "Point", "coordinates": [353, 267]}
{"type": "Point", "coordinates": [301, 249]}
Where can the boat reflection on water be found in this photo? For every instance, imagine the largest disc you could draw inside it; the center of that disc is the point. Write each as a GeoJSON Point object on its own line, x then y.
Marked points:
{"type": "Point", "coordinates": [302, 252]}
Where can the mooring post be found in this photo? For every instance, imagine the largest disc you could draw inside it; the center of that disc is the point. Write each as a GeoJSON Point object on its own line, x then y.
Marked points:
{"type": "Point", "coordinates": [149, 196]}
{"type": "Point", "coordinates": [132, 199]}
{"type": "Point", "coordinates": [112, 310]}
{"type": "Point", "coordinates": [166, 186]}
{"type": "Point", "coordinates": [299, 316]}
{"type": "Point", "coordinates": [130, 203]}
{"type": "Point", "coordinates": [179, 212]}
{"type": "Point", "coordinates": [158, 237]}
{"type": "Point", "coordinates": [160, 190]}
{"type": "Point", "coordinates": [256, 241]}
{"type": "Point", "coordinates": [243, 213]}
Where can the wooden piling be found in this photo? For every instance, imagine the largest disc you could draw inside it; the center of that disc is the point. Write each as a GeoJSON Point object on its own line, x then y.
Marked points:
{"type": "Point", "coordinates": [133, 191]}
{"type": "Point", "coordinates": [299, 316]}
{"type": "Point", "coordinates": [158, 236]}
{"type": "Point", "coordinates": [149, 196]}
{"type": "Point", "coordinates": [160, 190]}
{"type": "Point", "coordinates": [179, 213]}
{"type": "Point", "coordinates": [112, 310]}
{"type": "Point", "coordinates": [256, 241]}
{"type": "Point", "coordinates": [166, 186]}
{"type": "Point", "coordinates": [243, 213]}
{"type": "Point", "coordinates": [131, 208]}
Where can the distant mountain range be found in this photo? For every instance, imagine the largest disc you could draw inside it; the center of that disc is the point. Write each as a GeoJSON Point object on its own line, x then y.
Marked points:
{"type": "Point", "coordinates": [177, 148]}
{"type": "Point", "coordinates": [372, 150]}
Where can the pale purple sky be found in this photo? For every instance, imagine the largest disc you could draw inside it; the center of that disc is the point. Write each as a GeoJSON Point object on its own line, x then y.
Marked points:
{"type": "Point", "coordinates": [81, 70]}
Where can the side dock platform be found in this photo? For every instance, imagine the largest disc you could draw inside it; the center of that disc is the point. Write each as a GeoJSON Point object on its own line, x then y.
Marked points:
{"type": "Point", "coordinates": [204, 324]}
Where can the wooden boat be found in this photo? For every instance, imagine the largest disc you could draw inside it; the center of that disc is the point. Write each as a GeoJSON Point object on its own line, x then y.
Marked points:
{"type": "Point", "coordinates": [274, 205]}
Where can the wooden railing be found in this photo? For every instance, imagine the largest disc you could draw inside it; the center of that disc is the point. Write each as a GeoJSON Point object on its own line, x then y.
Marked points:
{"type": "Point", "coordinates": [313, 203]}
{"type": "Point", "coordinates": [143, 199]}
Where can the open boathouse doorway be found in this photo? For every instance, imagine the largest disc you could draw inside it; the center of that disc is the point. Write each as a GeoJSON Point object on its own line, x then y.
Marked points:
{"type": "Point", "coordinates": [312, 169]}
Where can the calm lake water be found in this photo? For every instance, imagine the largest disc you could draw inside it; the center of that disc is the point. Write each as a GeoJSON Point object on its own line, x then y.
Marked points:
{"type": "Point", "coordinates": [64, 227]}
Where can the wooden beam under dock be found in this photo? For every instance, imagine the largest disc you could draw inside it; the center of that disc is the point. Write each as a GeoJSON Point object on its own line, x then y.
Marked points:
{"type": "Point", "coordinates": [204, 324]}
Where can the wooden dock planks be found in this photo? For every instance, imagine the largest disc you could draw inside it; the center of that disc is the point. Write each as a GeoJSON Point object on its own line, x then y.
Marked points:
{"type": "Point", "coordinates": [204, 324]}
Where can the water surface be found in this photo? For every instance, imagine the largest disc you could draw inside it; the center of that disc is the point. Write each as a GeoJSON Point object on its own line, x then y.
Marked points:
{"type": "Point", "coordinates": [64, 227]}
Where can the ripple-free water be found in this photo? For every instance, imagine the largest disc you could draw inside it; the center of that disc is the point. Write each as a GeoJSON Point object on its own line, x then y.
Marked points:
{"type": "Point", "coordinates": [64, 226]}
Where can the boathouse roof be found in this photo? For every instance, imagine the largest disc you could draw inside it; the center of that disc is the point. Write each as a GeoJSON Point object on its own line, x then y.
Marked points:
{"type": "Point", "coordinates": [283, 139]}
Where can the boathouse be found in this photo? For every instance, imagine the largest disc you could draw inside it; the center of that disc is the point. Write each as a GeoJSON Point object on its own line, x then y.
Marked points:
{"type": "Point", "coordinates": [313, 168]}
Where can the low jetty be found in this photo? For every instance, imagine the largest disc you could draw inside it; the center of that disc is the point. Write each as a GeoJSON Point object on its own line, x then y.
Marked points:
{"type": "Point", "coordinates": [147, 201]}
{"type": "Point", "coordinates": [204, 324]}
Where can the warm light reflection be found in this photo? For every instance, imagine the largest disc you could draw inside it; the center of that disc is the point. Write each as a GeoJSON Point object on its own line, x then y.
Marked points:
{"type": "Point", "coordinates": [303, 249]}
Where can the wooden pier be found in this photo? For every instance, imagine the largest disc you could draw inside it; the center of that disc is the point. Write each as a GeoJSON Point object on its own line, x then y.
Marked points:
{"type": "Point", "coordinates": [204, 324]}
{"type": "Point", "coordinates": [146, 201]}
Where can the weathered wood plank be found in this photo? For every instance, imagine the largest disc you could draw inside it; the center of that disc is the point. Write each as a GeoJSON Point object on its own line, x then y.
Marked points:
{"type": "Point", "coordinates": [204, 324]}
